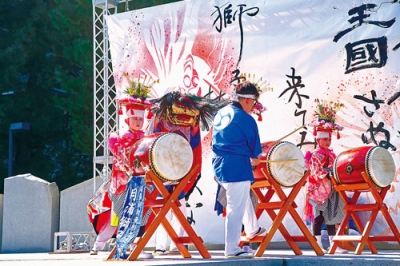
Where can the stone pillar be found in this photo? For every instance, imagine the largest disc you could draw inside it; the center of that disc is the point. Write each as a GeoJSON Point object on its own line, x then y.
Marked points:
{"type": "Point", "coordinates": [30, 214]}
{"type": "Point", "coordinates": [73, 207]}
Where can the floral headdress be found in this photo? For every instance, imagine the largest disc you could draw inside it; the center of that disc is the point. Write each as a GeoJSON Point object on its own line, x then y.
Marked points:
{"type": "Point", "coordinates": [137, 93]}
{"type": "Point", "coordinates": [262, 87]}
{"type": "Point", "coordinates": [325, 116]}
{"type": "Point", "coordinates": [139, 88]}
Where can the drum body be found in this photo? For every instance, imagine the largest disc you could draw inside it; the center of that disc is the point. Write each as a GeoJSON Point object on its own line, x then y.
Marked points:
{"type": "Point", "coordinates": [376, 162]}
{"type": "Point", "coordinates": [168, 155]}
{"type": "Point", "coordinates": [284, 163]}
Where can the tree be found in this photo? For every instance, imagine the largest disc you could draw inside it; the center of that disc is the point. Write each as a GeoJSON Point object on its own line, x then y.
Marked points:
{"type": "Point", "coordinates": [34, 51]}
{"type": "Point", "coordinates": [46, 52]}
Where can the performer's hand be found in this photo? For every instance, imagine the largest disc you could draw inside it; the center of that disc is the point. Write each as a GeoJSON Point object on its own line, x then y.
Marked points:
{"type": "Point", "coordinates": [145, 167]}
{"type": "Point", "coordinates": [254, 161]}
{"type": "Point", "coordinates": [129, 174]}
{"type": "Point", "coordinates": [329, 170]}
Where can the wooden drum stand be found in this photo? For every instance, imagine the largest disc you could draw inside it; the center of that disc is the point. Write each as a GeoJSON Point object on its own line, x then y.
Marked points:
{"type": "Point", "coordinates": [352, 207]}
{"type": "Point", "coordinates": [285, 205]}
{"type": "Point", "coordinates": [160, 207]}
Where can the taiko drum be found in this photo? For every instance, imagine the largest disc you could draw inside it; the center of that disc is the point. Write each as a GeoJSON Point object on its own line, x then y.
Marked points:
{"type": "Point", "coordinates": [283, 161]}
{"type": "Point", "coordinates": [376, 162]}
{"type": "Point", "coordinates": [168, 155]}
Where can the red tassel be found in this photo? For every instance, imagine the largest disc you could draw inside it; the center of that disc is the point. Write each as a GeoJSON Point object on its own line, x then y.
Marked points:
{"type": "Point", "coordinates": [259, 118]}
{"type": "Point", "coordinates": [149, 115]}
{"type": "Point", "coordinates": [338, 135]}
{"type": "Point", "coordinates": [120, 110]}
{"type": "Point", "coordinates": [315, 131]}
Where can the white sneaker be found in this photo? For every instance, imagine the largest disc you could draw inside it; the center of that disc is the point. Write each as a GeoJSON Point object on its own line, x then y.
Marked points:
{"type": "Point", "coordinates": [145, 255]}
{"type": "Point", "coordinates": [174, 251]}
{"type": "Point", "coordinates": [239, 255]}
{"type": "Point", "coordinates": [260, 231]}
{"type": "Point", "coordinates": [93, 252]}
{"type": "Point", "coordinates": [160, 252]}
{"type": "Point", "coordinates": [322, 247]}
{"type": "Point", "coordinates": [248, 249]}
{"type": "Point", "coordinates": [339, 250]}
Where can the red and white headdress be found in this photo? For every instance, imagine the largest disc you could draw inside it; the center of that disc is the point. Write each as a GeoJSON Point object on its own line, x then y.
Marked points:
{"type": "Point", "coordinates": [324, 119]}
{"type": "Point", "coordinates": [136, 103]}
{"type": "Point", "coordinates": [133, 107]}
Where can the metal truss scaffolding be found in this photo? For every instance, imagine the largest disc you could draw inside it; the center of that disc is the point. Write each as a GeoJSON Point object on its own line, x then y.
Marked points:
{"type": "Point", "coordinates": [105, 114]}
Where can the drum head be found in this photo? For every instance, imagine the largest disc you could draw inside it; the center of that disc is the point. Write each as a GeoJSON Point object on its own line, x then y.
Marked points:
{"type": "Point", "coordinates": [289, 165]}
{"type": "Point", "coordinates": [380, 167]}
{"type": "Point", "coordinates": [171, 157]}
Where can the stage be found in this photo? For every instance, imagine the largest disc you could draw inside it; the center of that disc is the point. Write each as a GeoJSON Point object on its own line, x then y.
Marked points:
{"type": "Point", "coordinates": [270, 257]}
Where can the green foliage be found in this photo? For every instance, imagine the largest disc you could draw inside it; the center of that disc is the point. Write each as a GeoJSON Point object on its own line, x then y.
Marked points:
{"type": "Point", "coordinates": [46, 51]}
{"type": "Point", "coordinates": [47, 65]}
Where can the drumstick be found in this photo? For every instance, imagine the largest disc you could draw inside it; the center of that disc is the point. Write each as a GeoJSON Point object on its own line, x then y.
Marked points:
{"type": "Point", "coordinates": [284, 137]}
{"type": "Point", "coordinates": [277, 161]}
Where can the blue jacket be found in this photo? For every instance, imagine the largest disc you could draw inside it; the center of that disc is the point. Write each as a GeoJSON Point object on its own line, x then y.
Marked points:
{"type": "Point", "coordinates": [235, 140]}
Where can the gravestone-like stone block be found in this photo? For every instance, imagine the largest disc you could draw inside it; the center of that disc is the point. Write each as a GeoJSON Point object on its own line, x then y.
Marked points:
{"type": "Point", "coordinates": [30, 214]}
{"type": "Point", "coordinates": [1, 217]}
{"type": "Point", "coordinates": [73, 206]}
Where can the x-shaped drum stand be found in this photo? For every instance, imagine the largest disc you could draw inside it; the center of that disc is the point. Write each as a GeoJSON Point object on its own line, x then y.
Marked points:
{"type": "Point", "coordinates": [160, 207]}
{"type": "Point", "coordinates": [352, 207]}
{"type": "Point", "coordinates": [277, 210]}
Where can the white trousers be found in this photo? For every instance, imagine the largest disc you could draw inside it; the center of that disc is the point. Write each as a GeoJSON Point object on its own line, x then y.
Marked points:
{"type": "Point", "coordinates": [162, 236]}
{"type": "Point", "coordinates": [239, 210]}
{"type": "Point", "coordinates": [104, 235]}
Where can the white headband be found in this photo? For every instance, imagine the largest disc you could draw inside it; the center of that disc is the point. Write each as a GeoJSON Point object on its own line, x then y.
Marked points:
{"type": "Point", "coordinates": [136, 113]}
{"type": "Point", "coordinates": [322, 135]}
{"type": "Point", "coordinates": [247, 96]}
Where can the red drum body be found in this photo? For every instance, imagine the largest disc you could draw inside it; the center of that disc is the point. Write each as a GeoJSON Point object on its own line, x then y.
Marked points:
{"type": "Point", "coordinates": [376, 162]}
{"type": "Point", "coordinates": [168, 155]}
{"type": "Point", "coordinates": [282, 161]}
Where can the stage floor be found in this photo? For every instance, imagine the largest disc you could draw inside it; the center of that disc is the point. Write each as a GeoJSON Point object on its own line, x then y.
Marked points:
{"type": "Point", "coordinates": [271, 257]}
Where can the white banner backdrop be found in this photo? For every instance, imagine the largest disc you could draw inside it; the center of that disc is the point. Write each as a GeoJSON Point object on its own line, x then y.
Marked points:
{"type": "Point", "coordinates": [331, 50]}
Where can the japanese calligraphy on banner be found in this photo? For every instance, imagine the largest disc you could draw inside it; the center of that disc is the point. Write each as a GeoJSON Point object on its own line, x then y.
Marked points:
{"type": "Point", "coordinates": [346, 51]}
